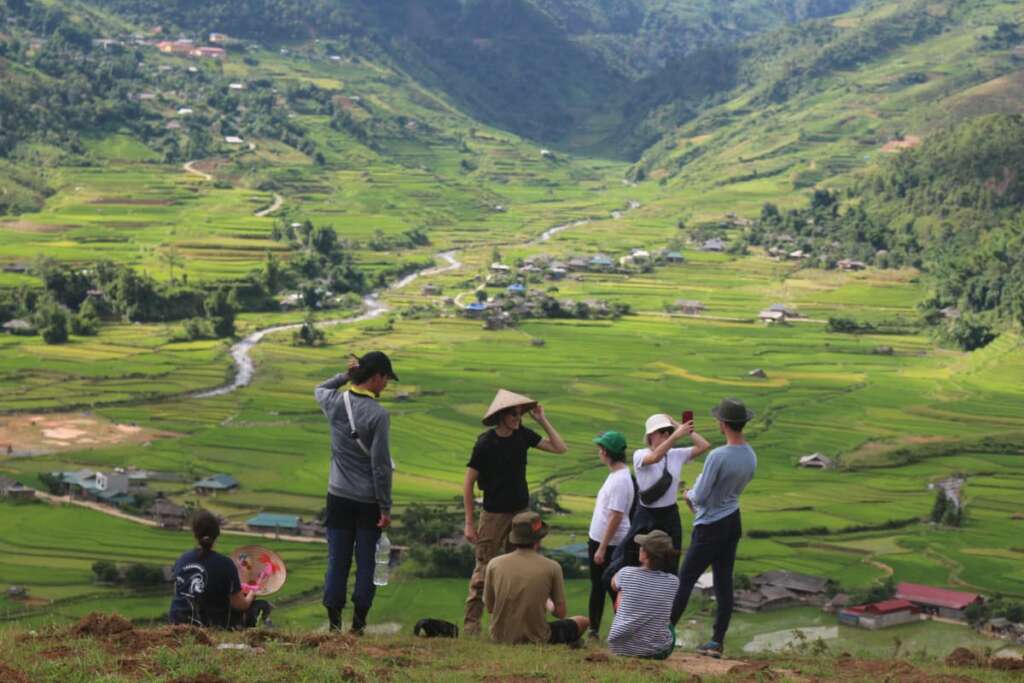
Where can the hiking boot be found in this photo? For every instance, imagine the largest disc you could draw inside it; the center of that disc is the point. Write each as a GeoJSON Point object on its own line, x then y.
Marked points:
{"type": "Point", "coordinates": [334, 619]}
{"type": "Point", "coordinates": [359, 621]}
{"type": "Point", "coordinates": [710, 649]}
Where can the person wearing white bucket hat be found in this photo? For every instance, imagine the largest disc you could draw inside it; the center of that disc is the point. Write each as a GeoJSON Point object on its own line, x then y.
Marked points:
{"type": "Point", "coordinates": [658, 469]}
{"type": "Point", "coordinates": [498, 467]}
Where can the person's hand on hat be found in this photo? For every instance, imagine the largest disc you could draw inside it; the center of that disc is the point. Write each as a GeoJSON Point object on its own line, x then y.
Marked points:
{"type": "Point", "coordinates": [537, 413]}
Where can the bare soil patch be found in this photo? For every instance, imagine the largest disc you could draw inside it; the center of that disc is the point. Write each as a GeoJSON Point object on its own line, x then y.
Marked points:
{"type": "Point", "coordinates": [10, 675]}
{"type": "Point", "coordinates": [22, 435]}
{"type": "Point", "coordinates": [200, 678]}
{"type": "Point", "coordinates": [909, 142]}
{"type": "Point", "coordinates": [96, 624]}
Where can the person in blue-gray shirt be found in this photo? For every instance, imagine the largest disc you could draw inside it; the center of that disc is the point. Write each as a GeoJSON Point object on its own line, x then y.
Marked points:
{"type": "Point", "coordinates": [715, 501]}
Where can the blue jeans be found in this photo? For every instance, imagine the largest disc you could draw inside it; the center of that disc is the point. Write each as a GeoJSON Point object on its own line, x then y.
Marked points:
{"type": "Point", "coordinates": [352, 530]}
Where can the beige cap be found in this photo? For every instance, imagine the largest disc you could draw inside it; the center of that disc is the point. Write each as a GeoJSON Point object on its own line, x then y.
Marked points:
{"type": "Point", "coordinates": [506, 399]}
{"type": "Point", "coordinates": [657, 423]}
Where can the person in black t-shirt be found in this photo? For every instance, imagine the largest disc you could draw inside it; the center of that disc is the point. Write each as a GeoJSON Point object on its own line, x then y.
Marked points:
{"type": "Point", "coordinates": [207, 589]}
{"type": "Point", "coordinates": [498, 467]}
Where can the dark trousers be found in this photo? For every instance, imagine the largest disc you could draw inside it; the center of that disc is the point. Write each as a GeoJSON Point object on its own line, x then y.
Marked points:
{"type": "Point", "coordinates": [598, 588]}
{"type": "Point", "coordinates": [645, 519]}
{"type": "Point", "coordinates": [352, 531]}
{"type": "Point", "coordinates": [711, 545]}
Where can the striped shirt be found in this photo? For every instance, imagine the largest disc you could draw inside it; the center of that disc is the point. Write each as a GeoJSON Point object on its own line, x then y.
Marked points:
{"type": "Point", "coordinates": [640, 627]}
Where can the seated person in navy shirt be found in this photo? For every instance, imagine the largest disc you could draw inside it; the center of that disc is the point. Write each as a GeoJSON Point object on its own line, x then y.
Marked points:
{"type": "Point", "coordinates": [207, 589]}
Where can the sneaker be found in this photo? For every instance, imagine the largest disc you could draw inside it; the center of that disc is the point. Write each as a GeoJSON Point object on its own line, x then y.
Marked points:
{"type": "Point", "coordinates": [710, 649]}
{"type": "Point", "coordinates": [334, 619]}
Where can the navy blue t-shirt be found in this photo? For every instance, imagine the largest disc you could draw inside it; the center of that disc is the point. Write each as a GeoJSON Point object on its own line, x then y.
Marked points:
{"type": "Point", "coordinates": [203, 587]}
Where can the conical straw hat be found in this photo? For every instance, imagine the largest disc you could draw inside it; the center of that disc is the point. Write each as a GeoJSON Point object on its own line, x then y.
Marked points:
{"type": "Point", "coordinates": [259, 566]}
{"type": "Point", "coordinates": [506, 399]}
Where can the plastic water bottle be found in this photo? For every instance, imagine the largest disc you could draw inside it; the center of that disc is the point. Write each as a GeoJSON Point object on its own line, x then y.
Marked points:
{"type": "Point", "coordinates": [383, 557]}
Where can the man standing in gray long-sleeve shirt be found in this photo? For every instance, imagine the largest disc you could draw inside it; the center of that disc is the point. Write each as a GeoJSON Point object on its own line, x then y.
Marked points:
{"type": "Point", "coordinates": [359, 488]}
{"type": "Point", "coordinates": [715, 500]}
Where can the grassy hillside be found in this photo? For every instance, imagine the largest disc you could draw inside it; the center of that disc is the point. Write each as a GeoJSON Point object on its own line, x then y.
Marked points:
{"type": "Point", "coordinates": [339, 135]}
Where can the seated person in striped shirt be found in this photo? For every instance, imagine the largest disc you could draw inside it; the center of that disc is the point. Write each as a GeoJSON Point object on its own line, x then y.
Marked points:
{"type": "Point", "coordinates": [642, 625]}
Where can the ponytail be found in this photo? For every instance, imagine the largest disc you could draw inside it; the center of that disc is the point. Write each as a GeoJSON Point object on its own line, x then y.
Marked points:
{"type": "Point", "coordinates": [206, 529]}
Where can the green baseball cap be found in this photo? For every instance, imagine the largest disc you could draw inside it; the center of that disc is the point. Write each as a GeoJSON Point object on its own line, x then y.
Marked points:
{"type": "Point", "coordinates": [613, 442]}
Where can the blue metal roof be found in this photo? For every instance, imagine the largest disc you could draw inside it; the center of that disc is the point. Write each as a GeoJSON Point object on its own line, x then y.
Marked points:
{"type": "Point", "coordinates": [269, 519]}
{"type": "Point", "coordinates": [217, 481]}
{"type": "Point", "coordinates": [476, 306]}
{"type": "Point", "coordinates": [516, 288]}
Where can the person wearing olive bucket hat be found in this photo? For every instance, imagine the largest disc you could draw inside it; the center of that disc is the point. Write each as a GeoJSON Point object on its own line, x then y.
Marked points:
{"type": "Point", "coordinates": [715, 501]}
{"type": "Point", "coordinates": [520, 585]}
{"type": "Point", "coordinates": [498, 467]}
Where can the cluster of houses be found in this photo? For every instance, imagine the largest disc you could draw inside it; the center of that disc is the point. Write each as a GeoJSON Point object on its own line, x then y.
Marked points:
{"type": "Point", "coordinates": [911, 602]}
{"type": "Point", "coordinates": [777, 589]}
{"type": "Point", "coordinates": [291, 525]}
{"type": "Point", "coordinates": [551, 268]}
{"type": "Point", "coordinates": [187, 47]}
{"type": "Point", "coordinates": [518, 302]}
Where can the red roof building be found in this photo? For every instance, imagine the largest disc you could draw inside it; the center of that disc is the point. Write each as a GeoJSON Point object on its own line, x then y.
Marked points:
{"type": "Point", "coordinates": [938, 601]}
{"type": "Point", "coordinates": [878, 615]}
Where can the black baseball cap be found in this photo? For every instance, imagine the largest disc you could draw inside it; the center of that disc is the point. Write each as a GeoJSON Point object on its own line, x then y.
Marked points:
{"type": "Point", "coordinates": [377, 363]}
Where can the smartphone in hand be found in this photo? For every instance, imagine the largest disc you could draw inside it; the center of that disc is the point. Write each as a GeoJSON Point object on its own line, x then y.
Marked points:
{"type": "Point", "coordinates": [687, 416]}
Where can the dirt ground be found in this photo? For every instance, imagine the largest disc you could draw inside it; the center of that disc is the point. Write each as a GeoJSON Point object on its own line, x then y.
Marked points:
{"type": "Point", "coordinates": [909, 142]}
{"type": "Point", "coordinates": [23, 435]}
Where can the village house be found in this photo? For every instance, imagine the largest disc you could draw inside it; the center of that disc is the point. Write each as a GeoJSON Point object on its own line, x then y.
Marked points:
{"type": "Point", "coordinates": [79, 483]}
{"type": "Point", "coordinates": [880, 614]}
{"type": "Point", "coordinates": [938, 602]}
{"type": "Point", "coordinates": [15, 490]}
{"type": "Point", "coordinates": [236, 86]}
{"type": "Point", "coordinates": [182, 46]}
{"type": "Point", "coordinates": [950, 312]}
{"type": "Point", "coordinates": [218, 37]}
{"type": "Point", "coordinates": [267, 522]}
{"type": "Point", "coordinates": [430, 290]}
{"type": "Point", "coordinates": [759, 373]}
{"type": "Point", "coordinates": [816, 460]}
{"type": "Point", "coordinates": [516, 289]}
{"type": "Point", "coordinates": [500, 268]}
{"type": "Point", "coordinates": [671, 256]}
{"type": "Point", "coordinates": [771, 317]}
{"type": "Point", "coordinates": [233, 139]}
{"type": "Point", "coordinates": [557, 273]}
{"type": "Point", "coordinates": [785, 310]}
{"type": "Point", "coordinates": [475, 309]}
{"type": "Point", "coordinates": [167, 514]}
{"type": "Point", "coordinates": [577, 263]}
{"type": "Point", "coordinates": [1000, 627]}
{"type": "Point", "coordinates": [850, 264]}
{"type": "Point", "coordinates": [209, 52]}
{"type": "Point", "coordinates": [173, 125]}
{"type": "Point", "coordinates": [185, 111]}
{"type": "Point", "coordinates": [838, 602]}
{"type": "Point", "coordinates": [214, 484]}
{"type": "Point", "coordinates": [16, 593]}
{"type": "Point", "coordinates": [19, 327]}
{"type": "Point", "coordinates": [689, 306]}
{"type": "Point", "coordinates": [713, 244]}
{"type": "Point", "coordinates": [765, 598]}
{"type": "Point", "coordinates": [806, 587]}
{"type": "Point", "coordinates": [15, 268]}
{"type": "Point", "coordinates": [600, 261]}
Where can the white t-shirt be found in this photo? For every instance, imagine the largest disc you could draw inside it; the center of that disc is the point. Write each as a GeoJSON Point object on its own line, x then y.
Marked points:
{"type": "Point", "coordinates": [648, 475]}
{"type": "Point", "coordinates": [616, 495]}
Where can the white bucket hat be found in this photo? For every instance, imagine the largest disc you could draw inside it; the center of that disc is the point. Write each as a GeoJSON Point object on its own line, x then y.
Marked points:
{"type": "Point", "coordinates": [506, 399]}
{"type": "Point", "coordinates": [658, 422]}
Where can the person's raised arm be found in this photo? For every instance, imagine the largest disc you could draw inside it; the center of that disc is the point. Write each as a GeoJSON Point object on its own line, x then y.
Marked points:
{"type": "Point", "coordinates": [326, 392]}
{"type": "Point", "coordinates": [554, 442]}
{"type": "Point", "coordinates": [700, 446]}
{"type": "Point", "coordinates": [659, 451]}
{"type": "Point", "coordinates": [467, 504]}
{"type": "Point", "coordinates": [380, 462]}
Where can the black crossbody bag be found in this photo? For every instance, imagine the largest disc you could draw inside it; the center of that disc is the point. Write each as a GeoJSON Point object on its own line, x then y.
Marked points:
{"type": "Point", "coordinates": [656, 490]}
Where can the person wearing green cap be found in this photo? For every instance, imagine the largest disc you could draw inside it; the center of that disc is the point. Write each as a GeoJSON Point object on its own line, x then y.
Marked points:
{"type": "Point", "coordinates": [610, 522]}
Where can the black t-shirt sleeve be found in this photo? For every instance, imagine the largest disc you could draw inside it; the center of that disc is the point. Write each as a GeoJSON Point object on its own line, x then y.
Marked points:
{"type": "Point", "coordinates": [531, 437]}
{"type": "Point", "coordinates": [476, 458]}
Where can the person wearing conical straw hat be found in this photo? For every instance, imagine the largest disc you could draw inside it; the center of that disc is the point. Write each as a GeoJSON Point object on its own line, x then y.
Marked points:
{"type": "Point", "coordinates": [498, 467]}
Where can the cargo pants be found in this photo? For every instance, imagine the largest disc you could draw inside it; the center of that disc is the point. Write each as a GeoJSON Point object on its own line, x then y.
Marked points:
{"type": "Point", "coordinates": [492, 540]}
